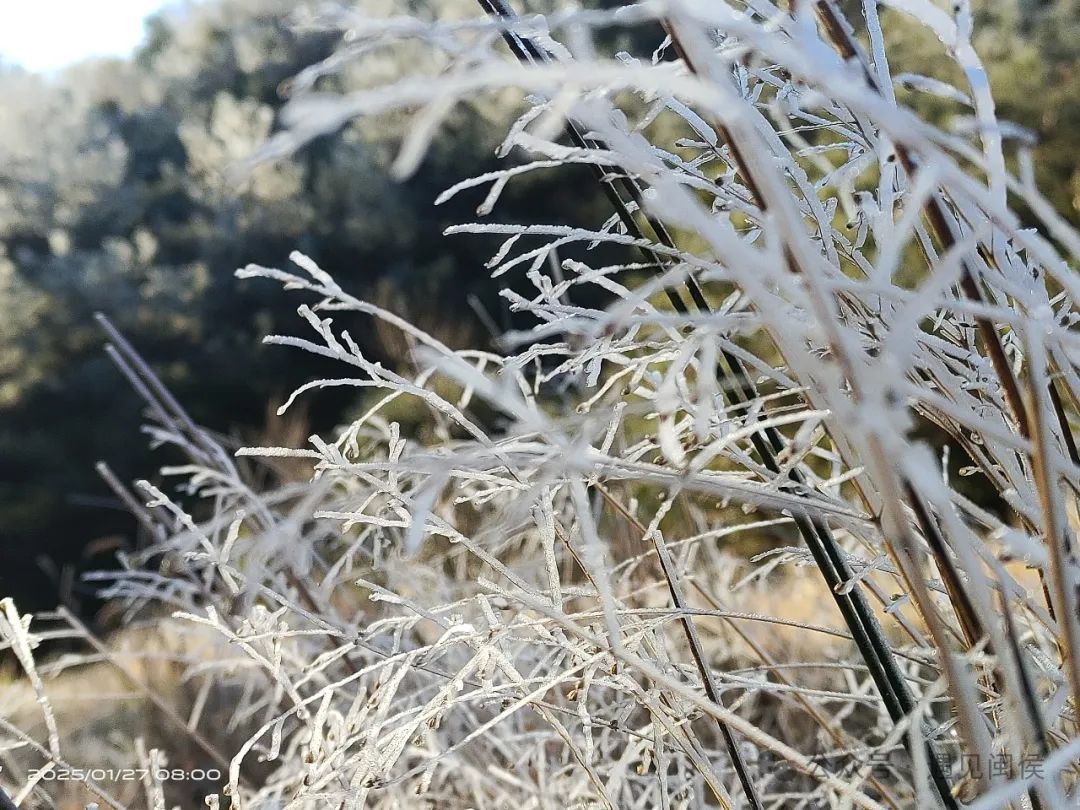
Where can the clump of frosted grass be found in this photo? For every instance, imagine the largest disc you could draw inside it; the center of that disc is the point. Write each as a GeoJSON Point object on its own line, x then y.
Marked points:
{"type": "Point", "coordinates": [536, 604]}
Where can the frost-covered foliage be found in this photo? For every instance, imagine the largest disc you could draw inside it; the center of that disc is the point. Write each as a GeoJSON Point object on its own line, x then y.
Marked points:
{"type": "Point", "coordinates": [117, 195]}
{"type": "Point", "coordinates": [549, 596]}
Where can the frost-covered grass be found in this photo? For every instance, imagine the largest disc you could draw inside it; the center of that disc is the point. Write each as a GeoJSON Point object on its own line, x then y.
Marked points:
{"type": "Point", "coordinates": [687, 549]}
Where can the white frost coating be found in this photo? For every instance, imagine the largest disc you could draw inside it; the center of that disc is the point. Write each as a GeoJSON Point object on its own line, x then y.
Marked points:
{"type": "Point", "coordinates": [930, 15]}
{"type": "Point", "coordinates": [516, 576]}
{"type": "Point", "coordinates": [928, 84]}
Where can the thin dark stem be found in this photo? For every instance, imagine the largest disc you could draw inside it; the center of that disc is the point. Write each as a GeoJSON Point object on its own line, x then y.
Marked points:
{"type": "Point", "coordinates": [830, 558]}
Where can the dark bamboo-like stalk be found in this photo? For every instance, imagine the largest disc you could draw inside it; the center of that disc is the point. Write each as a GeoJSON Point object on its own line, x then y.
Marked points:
{"type": "Point", "coordinates": [942, 225]}
{"type": "Point", "coordinates": [527, 51]}
{"type": "Point", "coordinates": [817, 535]}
